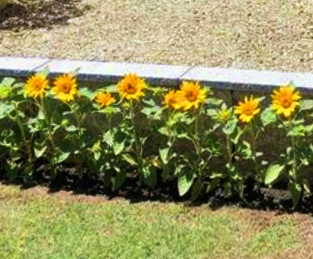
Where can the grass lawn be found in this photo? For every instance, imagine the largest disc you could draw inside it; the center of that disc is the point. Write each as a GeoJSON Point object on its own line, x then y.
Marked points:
{"type": "Point", "coordinates": [35, 224]}
{"type": "Point", "coordinates": [260, 34]}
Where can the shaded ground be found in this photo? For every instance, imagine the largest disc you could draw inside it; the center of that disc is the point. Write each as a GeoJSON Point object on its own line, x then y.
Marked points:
{"type": "Point", "coordinates": [46, 15]}
{"type": "Point", "coordinates": [62, 225]}
{"type": "Point", "coordinates": [261, 34]}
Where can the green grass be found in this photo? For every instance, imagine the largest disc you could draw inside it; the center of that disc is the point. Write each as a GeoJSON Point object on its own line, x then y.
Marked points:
{"type": "Point", "coordinates": [37, 225]}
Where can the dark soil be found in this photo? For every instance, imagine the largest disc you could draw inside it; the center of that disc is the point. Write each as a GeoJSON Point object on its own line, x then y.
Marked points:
{"type": "Point", "coordinates": [47, 14]}
{"type": "Point", "coordinates": [265, 199]}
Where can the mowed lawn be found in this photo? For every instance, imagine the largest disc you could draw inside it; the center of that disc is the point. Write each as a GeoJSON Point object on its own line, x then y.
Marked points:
{"type": "Point", "coordinates": [258, 34]}
{"type": "Point", "coordinates": [35, 224]}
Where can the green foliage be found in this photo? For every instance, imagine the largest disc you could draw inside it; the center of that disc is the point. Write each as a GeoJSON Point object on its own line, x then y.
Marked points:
{"type": "Point", "coordinates": [202, 144]}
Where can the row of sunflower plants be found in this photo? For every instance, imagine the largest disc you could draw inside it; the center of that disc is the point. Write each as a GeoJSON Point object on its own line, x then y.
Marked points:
{"type": "Point", "coordinates": [155, 135]}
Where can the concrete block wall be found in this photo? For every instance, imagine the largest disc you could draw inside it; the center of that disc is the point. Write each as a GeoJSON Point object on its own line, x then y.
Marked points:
{"type": "Point", "coordinates": [154, 74]}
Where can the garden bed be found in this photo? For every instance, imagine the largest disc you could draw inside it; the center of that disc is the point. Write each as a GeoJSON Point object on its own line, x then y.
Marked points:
{"type": "Point", "coordinates": [132, 130]}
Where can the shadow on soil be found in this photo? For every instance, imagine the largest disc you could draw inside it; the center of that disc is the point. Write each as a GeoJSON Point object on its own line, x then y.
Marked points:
{"type": "Point", "coordinates": [265, 199]}
{"type": "Point", "coordinates": [46, 15]}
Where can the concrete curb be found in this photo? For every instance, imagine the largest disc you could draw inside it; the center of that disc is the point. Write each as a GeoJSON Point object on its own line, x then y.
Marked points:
{"type": "Point", "coordinates": [165, 75]}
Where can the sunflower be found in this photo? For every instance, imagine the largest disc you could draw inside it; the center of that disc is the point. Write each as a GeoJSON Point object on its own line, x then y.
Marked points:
{"type": "Point", "coordinates": [104, 99]}
{"type": "Point", "coordinates": [131, 87]}
{"type": "Point", "coordinates": [36, 86]}
{"type": "Point", "coordinates": [247, 109]}
{"type": "Point", "coordinates": [171, 100]}
{"type": "Point", "coordinates": [223, 115]}
{"type": "Point", "coordinates": [191, 94]}
{"type": "Point", "coordinates": [65, 87]}
{"type": "Point", "coordinates": [285, 100]}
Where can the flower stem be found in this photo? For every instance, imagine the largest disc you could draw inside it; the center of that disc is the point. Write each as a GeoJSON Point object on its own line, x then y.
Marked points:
{"type": "Point", "coordinates": [138, 149]}
{"type": "Point", "coordinates": [20, 125]}
{"type": "Point", "coordinates": [50, 134]}
{"type": "Point", "coordinates": [294, 155]}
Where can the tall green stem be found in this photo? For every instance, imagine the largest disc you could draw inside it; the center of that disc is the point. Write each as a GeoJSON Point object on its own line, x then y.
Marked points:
{"type": "Point", "coordinates": [138, 149]}
{"type": "Point", "coordinates": [253, 149]}
{"type": "Point", "coordinates": [229, 150]}
{"type": "Point", "coordinates": [50, 133]}
{"type": "Point", "coordinates": [294, 155]}
{"type": "Point", "coordinates": [20, 125]}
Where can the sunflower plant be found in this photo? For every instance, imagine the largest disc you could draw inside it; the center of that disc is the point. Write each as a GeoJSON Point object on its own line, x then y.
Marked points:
{"type": "Point", "coordinates": [44, 122]}
{"type": "Point", "coordinates": [128, 138]}
{"type": "Point", "coordinates": [15, 138]}
{"type": "Point", "coordinates": [75, 132]}
{"type": "Point", "coordinates": [190, 143]}
{"type": "Point", "coordinates": [109, 142]}
{"type": "Point", "coordinates": [238, 146]}
{"type": "Point", "coordinates": [287, 113]}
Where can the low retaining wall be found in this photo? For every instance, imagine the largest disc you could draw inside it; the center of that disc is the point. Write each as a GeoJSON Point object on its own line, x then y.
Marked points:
{"type": "Point", "coordinates": [164, 75]}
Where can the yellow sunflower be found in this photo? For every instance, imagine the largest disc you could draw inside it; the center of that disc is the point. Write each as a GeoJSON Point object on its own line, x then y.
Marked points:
{"type": "Point", "coordinates": [171, 100]}
{"type": "Point", "coordinates": [285, 100]}
{"type": "Point", "coordinates": [65, 87]}
{"type": "Point", "coordinates": [104, 99]}
{"type": "Point", "coordinates": [191, 94]}
{"type": "Point", "coordinates": [247, 109]}
{"type": "Point", "coordinates": [36, 86]}
{"type": "Point", "coordinates": [131, 87]}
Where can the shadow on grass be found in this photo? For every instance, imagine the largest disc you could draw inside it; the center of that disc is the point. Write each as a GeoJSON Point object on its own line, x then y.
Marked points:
{"type": "Point", "coordinates": [46, 15]}
{"type": "Point", "coordinates": [265, 199]}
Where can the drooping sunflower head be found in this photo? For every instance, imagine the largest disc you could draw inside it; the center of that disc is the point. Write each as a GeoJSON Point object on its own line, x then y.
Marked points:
{"type": "Point", "coordinates": [36, 85]}
{"type": "Point", "coordinates": [171, 100]}
{"type": "Point", "coordinates": [65, 87]}
{"type": "Point", "coordinates": [191, 95]}
{"type": "Point", "coordinates": [285, 100]}
{"type": "Point", "coordinates": [104, 99]}
{"type": "Point", "coordinates": [131, 87]}
{"type": "Point", "coordinates": [247, 109]}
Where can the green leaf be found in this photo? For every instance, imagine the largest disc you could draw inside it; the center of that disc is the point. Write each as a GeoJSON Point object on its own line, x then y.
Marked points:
{"type": "Point", "coordinates": [86, 93]}
{"type": "Point", "coordinates": [40, 152]}
{"type": "Point", "coordinates": [245, 150]}
{"type": "Point", "coordinates": [230, 127]}
{"type": "Point", "coordinates": [196, 189]}
{"type": "Point", "coordinates": [5, 91]}
{"type": "Point", "coordinates": [129, 159]}
{"type": "Point", "coordinates": [62, 156]}
{"type": "Point", "coordinates": [8, 81]}
{"type": "Point", "coordinates": [118, 180]}
{"type": "Point", "coordinates": [5, 109]}
{"type": "Point", "coordinates": [214, 101]}
{"type": "Point", "coordinates": [108, 138]}
{"type": "Point", "coordinates": [211, 112]}
{"type": "Point", "coordinates": [111, 89]}
{"type": "Point", "coordinates": [97, 155]}
{"type": "Point", "coordinates": [45, 71]}
{"type": "Point", "coordinates": [295, 191]}
{"type": "Point", "coordinates": [268, 116]}
{"type": "Point", "coordinates": [273, 172]}
{"type": "Point", "coordinates": [306, 105]}
{"type": "Point", "coordinates": [150, 176]}
{"type": "Point", "coordinates": [298, 130]}
{"type": "Point", "coordinates": [306, 185]}
{"type": "Point", "coordinates": [118, 147]}
{"type": "Point", "coordinates": [110, 110]}
{"type": "Point", "coordinates": [164, 155]}
{"type": "Point", "coordinates": [212, 185]}
{"type": "Point", "coordinates": [71, 128]}
{"type": "Point", "coordinates": [185, 181]}
{"type": "Point", "coordinates": [164, 131]}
